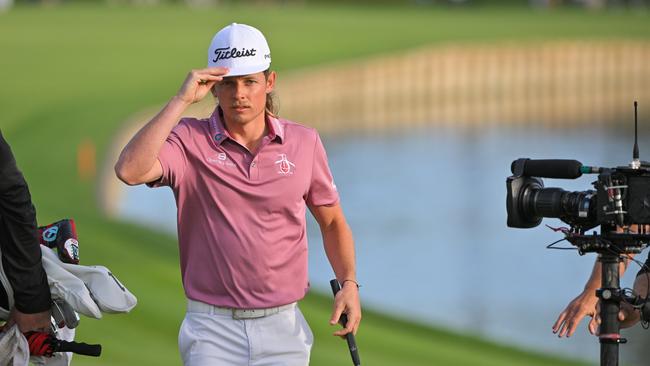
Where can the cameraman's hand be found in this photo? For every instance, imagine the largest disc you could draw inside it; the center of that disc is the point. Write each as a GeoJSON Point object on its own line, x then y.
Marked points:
{"type": "Point", "coordinates": [627, 316]}
{"type": "Point", "coordinates": [199, 82]}
{"type": "Point", "coordinates": [581, 306]}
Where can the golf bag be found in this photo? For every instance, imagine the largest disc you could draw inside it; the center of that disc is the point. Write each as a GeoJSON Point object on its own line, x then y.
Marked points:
{"type": "Point", "coordinates": [87, 290]}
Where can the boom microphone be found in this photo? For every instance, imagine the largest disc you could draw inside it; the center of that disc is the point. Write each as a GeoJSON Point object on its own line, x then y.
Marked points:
{"type": "Point", "coordinates": [548, 168]}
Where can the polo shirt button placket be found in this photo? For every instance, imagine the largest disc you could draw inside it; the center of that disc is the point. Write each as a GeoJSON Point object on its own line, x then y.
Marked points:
{"type": "Point", "coordinates": [254, 171]}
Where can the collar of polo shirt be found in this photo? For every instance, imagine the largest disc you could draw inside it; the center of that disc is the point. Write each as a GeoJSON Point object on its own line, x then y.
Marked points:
{"type": "Point", "coordinates": [220, 134]}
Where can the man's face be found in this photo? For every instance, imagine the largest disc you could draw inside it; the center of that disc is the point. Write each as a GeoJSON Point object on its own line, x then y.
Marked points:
{"type": "Point", "coordinates": [243, 98]}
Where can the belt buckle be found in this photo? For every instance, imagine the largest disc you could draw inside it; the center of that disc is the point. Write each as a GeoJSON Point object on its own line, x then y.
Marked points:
{"type": "Point", "coordinates": [247, 313]}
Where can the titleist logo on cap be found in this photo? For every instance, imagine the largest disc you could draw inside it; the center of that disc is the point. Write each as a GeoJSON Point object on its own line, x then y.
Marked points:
{"type": "Point", "coordinates": [225, 53]}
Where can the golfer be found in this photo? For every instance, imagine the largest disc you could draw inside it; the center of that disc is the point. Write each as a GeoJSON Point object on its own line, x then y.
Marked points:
{"type": "Point", "coordinates": [242, 180]}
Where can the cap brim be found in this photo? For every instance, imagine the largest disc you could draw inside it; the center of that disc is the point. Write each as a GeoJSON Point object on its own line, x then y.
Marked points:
{"type": "Point", "coordinates": [246, 70]}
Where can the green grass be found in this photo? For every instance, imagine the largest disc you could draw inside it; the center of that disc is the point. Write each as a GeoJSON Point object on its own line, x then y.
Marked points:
{"type": "Point", "coordinates": [74, 73]}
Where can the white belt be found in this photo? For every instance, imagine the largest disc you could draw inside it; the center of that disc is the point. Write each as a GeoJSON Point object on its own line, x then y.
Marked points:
{"type": "Point", "coordinates": [194, 306]}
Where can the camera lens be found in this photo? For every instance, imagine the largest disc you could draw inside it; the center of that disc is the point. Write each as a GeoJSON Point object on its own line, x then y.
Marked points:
{"type": "Point", "coordinates": [528, 202]}
{"type": "Point", "coordinates": [556, 202]}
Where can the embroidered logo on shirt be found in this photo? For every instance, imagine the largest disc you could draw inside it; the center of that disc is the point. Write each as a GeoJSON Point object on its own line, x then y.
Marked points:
{"type": "Point", "coordinates": [220, 159]}
{"type": "Point", "coordinates": [285, 167]}
{"type": "Point", "coordinates": [218, 137]}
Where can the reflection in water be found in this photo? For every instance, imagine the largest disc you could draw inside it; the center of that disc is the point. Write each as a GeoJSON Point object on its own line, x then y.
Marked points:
{"type": "Point", "coordinates": [427, 209]}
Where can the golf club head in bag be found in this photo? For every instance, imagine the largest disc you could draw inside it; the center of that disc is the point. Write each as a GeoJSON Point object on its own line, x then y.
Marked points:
{"type": "Point", "coordinates": [61, 235]}
{"type": "Point", "coordinates": [63, 315]}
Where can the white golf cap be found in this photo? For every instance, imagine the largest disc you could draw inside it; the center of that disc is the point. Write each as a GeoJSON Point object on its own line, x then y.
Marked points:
{"type": "Point", "coordinates": [241, 48]}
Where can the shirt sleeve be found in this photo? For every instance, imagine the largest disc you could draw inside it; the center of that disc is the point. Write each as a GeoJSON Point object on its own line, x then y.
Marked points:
{"type": "Point", "coordinates": [173, 157]}
{"type": "Point", "coordinates": [322, 190]}
{"type": "Point", "coordinates": [21, 251]}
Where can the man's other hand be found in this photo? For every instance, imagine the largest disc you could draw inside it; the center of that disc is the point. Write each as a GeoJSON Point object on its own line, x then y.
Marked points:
{"type": "Point", "coordinates": [37, 322]}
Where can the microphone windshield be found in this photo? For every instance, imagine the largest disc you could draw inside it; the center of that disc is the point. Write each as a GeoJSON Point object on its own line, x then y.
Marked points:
{"type": "Point", "coordinates": [551, 168]}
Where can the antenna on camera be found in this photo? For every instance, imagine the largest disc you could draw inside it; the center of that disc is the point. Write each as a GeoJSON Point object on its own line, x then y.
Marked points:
{"type": "Point", "coordinates": [636, 163]}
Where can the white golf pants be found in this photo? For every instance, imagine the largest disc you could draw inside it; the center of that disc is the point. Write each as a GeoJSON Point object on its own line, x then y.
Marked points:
{"type": "Point", "coordinates": [210, 336]}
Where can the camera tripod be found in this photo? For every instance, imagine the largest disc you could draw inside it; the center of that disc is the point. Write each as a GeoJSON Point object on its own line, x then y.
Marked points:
{"type": "Point", "coordinates": [612, 249]}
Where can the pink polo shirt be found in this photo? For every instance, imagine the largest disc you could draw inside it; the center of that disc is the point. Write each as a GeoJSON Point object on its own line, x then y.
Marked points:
{"type": "Point", "coordinates": [241, 217]}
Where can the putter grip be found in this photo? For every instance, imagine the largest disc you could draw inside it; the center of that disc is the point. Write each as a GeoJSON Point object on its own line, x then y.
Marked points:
{"type": "Point", "coordinates": [343, 320]}
{"type": "Point", "coordinates": [79, 348]}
